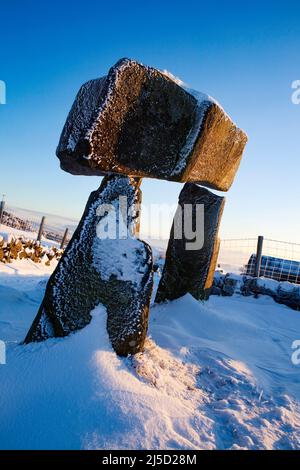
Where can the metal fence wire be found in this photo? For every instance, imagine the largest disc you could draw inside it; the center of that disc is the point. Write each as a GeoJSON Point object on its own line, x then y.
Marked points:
{"type": "Point", "coordinates": [37, 226]}
{"type": "Point", "coordinates": [278, 260]}
{"type": "Point", "coordinates": [260, 256]}
{"type": "Point", "coordinates": [12, 220]}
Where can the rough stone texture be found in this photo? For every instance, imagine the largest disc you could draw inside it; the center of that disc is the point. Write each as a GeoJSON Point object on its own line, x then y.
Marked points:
{"type": "Point", "coordinates": [254, 285]}
{"type": "Point", "coordinates": [192, 270]}
{"type": "Point", "coordinates": [215, 290]}
{"type": "Point", "coordinates": [138, 121]}
{"type": "Point", "coordinates": [232, 285]}
{"type": "Point", "coordinates": [282, 292]}
{"type": "Point", "coordinates": [114, 272]}
{"type": "Point", "coordinates": [288, 295]}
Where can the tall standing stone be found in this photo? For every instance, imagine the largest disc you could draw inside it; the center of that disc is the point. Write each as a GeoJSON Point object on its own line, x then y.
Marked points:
{"type": "Point", "coordinates": [186, 269]}
{"type": "Point", "coordinates": [138, 121]}
{"type": "Point", "coordinates": [102, 264]}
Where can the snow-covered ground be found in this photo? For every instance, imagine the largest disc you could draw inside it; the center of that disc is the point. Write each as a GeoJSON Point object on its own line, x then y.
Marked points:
{"type": "Point", "coordinates": [8, 232]}
{"type": "Point", "coordinates": [54, 222]}
{"type": "Point", "coordinates": [213, 375]}
{"type": "Point", "coordinates": [20, 272]}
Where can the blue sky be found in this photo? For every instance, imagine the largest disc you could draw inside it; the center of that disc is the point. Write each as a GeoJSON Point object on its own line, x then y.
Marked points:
{"type": "Point", "coordinates": [245, 54]}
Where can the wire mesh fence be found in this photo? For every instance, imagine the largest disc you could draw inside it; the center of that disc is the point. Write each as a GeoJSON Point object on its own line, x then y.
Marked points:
{"type": "Point", "coordinates": [278, 260]}
{"type": "Point", "coordinates": [235, 253]}
{"type": "Point", "coordinates": [260, 256]}
{"type": "Point", "coordinates": [34, 225]}
{"type": "Point", "coordinates": [281, 261]}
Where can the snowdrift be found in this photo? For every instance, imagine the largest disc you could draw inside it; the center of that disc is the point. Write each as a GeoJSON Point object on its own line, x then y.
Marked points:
{"type": "Point", "coordinates": [213, 375]}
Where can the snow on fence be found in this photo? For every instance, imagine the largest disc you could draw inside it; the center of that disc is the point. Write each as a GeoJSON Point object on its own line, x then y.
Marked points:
{"type": "Point", "coordinates": [261, 256]}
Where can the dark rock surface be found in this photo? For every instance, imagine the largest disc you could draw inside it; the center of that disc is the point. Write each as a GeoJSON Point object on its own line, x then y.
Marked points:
{"type": "Point", "coordinates": [114, 272]}
{"type": "Point", "coordinates": [216, 291]}
{"type": "Point", "coordinates": [189, 270]}
{"type": "Point", "coordinates": [138, 121]}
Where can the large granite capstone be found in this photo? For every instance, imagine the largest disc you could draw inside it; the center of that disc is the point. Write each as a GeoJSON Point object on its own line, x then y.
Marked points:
{"type": "Point", "coordinates": [138, 121]}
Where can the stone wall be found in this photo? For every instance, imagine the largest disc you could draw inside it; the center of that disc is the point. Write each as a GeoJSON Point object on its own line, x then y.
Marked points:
{"type": "Point", "coordinates": [282, 292]}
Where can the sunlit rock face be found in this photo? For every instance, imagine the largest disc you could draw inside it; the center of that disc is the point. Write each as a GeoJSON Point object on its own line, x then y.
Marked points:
{"type": "Point", "coordinates": [138, 121]}
{"type": "Point", "coordinates": [191, 260]}
{"type": "Point", "coordinates": [103, 263]}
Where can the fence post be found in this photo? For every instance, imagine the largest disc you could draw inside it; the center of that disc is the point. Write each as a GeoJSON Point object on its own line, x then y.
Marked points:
{"type": "Point", "coordinates": [39, 237]}
{"type": "Point", "coordinates": [260, 241]}
{"type": "Point", "coordinates": [2, 205]}
{"type": "Point", "coordinates": [64, 238]}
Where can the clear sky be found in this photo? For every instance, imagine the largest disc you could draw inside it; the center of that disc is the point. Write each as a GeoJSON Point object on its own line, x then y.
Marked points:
{"type": "Point", "coordinates": [245, 54]}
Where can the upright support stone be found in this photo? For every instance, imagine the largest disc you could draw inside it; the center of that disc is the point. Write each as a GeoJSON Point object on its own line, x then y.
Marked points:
{"type": "Point", "coordinates": [190, 264]}
{"type": "Point", "coordinates": [101, 264]}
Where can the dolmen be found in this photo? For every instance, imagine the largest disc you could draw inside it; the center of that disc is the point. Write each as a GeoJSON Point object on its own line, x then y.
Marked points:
{"type": "Point", "coordinates": [138, 122]}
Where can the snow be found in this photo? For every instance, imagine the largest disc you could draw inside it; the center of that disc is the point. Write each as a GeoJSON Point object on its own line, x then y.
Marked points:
{"type": "Point", "coordinates": [22, 268]}
{"type": "Point", "coordinates": [20, 272]}
{"type": "Point", "coordinates": [270, 284]}
{"type": "Point", "coordinates": [9, 233]}
{"type": "Point", "coordinates": [213, 375]}
{"type": "Point", "coordinates": [116, 250]}
{"type": "Point", "coordinates": [55, 223]}
{"type": "Point", "coordinates": [172, 77]}
{"type": "Point", "coordinates": [288, 287]}
{"type": "Point", "coordinates": [121, 258]}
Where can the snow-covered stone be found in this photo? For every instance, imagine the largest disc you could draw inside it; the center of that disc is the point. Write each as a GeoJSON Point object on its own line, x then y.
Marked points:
{"type": "Point", "coordinates": [189, 270]}
{"type": "Point", "coordinates": [259, 285]}
{"type": "Point", "coordinates": [139, 121]}
{"type": "Point", "coordinates": [232, 284]}
{"type": "Point", "coordinates": [284, 292]}
{"type": "Point", "coordinates": [288, 294]}
{"type": "Point", "coordinates": [116, 272]}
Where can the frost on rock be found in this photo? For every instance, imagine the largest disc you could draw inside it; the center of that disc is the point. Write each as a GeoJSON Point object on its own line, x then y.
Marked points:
{"type": "Point", "coordinates": [116, 272]}
{"type": "Point", "coordinates": [80, 118]}
{"type": "Point", "coordinates": [202, 108]}
{"type": "Point", "coordinates": [142, 122]}
{"type": "Point", "coordinates": [190, 264]}
{"type": "Point", "coordinates": [44, 327]}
